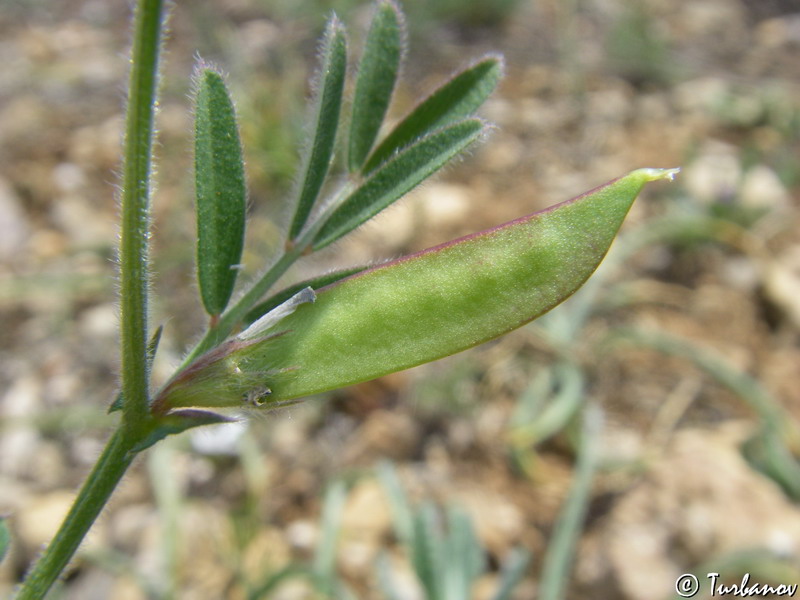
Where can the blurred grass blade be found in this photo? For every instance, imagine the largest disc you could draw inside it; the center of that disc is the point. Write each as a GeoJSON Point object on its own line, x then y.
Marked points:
{"type": "Point", "coordinates": [386, 580]}
{"type": "Point", "coordinates": [427, 551]}
{"type": "Point", "coordinates": [259, 310]}
{"type": "Point", "coordinates": [460, 97]}
{"type": "Point", "coordinates": [402, 514]}
{"type": "Point", "coordinates": [272, 581]}
{"type": "Point", "coordinates": [325, 557]}
{"type": "Point", "coordinates": [220, 190]}
{"type": "Point", "coordinates": [560, 555]}
{"type": "Point", "coordinates": [513, 570]}
{"type": "Point", "coordinates": [318, 153]}
{"type": "Point", "coordinates": [463, 556]}
{"type": "Point", "coordinates": [5, 538]}
{"type": "Point", "coordinates": [398, 176]}
{"type": "Point", "coordinates": [554, 414]}
{"type": "Point", "coordinates": [168, 491]}
{"type": "Point", "coordinates": [766, 452]}
{"type": "Point", "coordinates": [771, 449]}
{"type": "Point", "coordinates": [743, 385]}
{"type": "Point", "coordinates": [377, 75]}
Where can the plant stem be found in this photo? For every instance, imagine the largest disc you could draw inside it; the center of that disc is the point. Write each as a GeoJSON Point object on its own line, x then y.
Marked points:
{"type": "Point", "coordinates": [133, 255]}
{"type": "Point", "coordinates": [133, 273]}
{"type": "Point", "coordinates": [107, 472]}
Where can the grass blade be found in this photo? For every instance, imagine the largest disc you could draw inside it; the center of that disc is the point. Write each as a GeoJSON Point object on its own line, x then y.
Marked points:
{"type": "Point", "coordinates": [220, 190]}
{"type": "Point", "coordinates": [5, 538]}
{"type": "Point", "coordinates": [402, 514]}
{"type": "Point", "coordinates": [327, 107]}
{"type": "Point", "coordinates": [564, 400]}
{"type": "Point", "coordinates": [427, 551]}
{"type": "Point", "coordinates": [397, 177]}
{"type": "Point", "coordinates": [377, 75]}
{"type": "Point", "coordinates": [463, 556]}
{"type": "Point", "coordinates": [460, 97]}
{"type": "Point", "coordinates": [560, 553]}
{"type": "Point", "coordinates": [325, 557]}
{"type": "Point", "coordinates": [513, 570]}
{"type": "Point", "coordinates": [386, 581]}
{"type": "Point", "coordinates": [770, 450]}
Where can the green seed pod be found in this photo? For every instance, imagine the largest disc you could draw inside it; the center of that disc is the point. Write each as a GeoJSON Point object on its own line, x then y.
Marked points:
{"type": "Point", "coordinates": [418, 308]}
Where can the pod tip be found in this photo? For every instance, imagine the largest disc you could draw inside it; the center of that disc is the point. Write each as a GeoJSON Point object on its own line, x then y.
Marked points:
{"type": "Point", "coordinates": [656, 174]}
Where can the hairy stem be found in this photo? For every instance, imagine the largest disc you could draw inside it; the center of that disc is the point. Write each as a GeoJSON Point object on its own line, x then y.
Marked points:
{"type": "Point", "coordinates": [133, 273]}
{"type": "Point", "coordinates": [133, 255]}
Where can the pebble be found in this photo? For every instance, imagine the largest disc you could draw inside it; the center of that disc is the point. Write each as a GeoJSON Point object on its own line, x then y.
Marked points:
{"type": "Point", "coordinates": [37, 521]}
{"type": "Point", "coordinates": [762, 189]}
{"type": "Point", "coordinates": [14, 227]}
{"type": "Point", "coordinates": [715, 175]}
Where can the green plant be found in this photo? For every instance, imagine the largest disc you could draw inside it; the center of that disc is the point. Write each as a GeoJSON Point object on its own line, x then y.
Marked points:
{"type": "Point", "coordinates": [339, 329]}
{"type": "Point", "coordinates": [448, 557]}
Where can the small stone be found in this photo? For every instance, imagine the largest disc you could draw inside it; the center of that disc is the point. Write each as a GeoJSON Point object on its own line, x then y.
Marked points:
{"type": "Point", "coordinates": [763, 189]}
{"type": "Point", "coordinates": [38, 520]}
{"type": "Point", "coordinates": [366, 513]}
{"type": "Point", "coordinates": [100, 321]}
{"type": "Point", "coordinates": [14, 228]}
{"type": "Point", "coordinates": [221, 439]}
{"type": "Point", "coordinates": [715, 175]}
{"type": "Point", "coordinates": [302, 534]}
{"type": "Point", "coordinates": [782, 283]}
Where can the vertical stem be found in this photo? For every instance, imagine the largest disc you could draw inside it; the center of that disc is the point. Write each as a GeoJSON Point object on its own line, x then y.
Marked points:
{"type": "Point", "coordinates": [117, 455]}
{"type": "Point", "coordinates": [107, 472]}
{"type": "Point", "coordinates": [133, 254]}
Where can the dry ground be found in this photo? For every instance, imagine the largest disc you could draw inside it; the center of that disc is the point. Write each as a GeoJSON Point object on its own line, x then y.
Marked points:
{"type": "Point", "coordinates": [593, 89]}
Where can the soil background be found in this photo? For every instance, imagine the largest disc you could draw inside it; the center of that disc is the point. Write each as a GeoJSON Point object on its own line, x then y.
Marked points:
{"type": "Point", "coordinates": [684, 353]}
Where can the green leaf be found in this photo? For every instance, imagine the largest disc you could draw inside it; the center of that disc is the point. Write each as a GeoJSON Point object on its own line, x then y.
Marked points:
{"type": "Point", "coordinates": [460, 97]}
{"type": "Point", "coordinates": [421, 307]}
{"type": "Point", "coordinates": [220, 190]}
{"type": "Point", "coordinates": [327, 106]}
{"type": "Point", "coordinates": [179, 421]}
{"type": "Point", "coordinates": [377, 75]}
{"type": "Point", "coordinates": [315, 283]}
{"type": "Point", "coordinates": [397, 177]}
{"type": "Point", "coordinates": [5, 538]}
